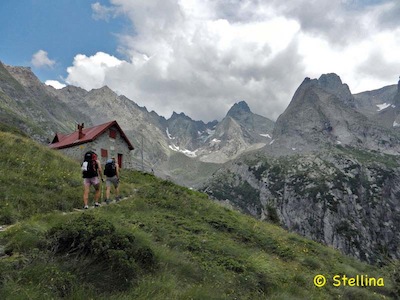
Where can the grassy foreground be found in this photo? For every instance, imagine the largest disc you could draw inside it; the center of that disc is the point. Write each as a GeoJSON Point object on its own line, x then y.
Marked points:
{"type": "Point", "coordinates": [163, 242]}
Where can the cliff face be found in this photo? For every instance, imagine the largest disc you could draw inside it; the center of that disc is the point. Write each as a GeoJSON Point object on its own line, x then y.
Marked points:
{"type": "Point", "coordinates": [322, 114]}
{"type": "Point", "coordinates": [348, 199]}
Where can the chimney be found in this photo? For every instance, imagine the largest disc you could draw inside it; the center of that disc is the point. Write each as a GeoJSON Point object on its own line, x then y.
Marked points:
{"type": "Point", "coordinates": [80, 133]}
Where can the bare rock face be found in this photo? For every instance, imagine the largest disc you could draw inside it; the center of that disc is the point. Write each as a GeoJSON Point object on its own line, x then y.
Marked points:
{"type": "Point", "coordinates": [28, 105]}
{"type": "Point", "coordinates": [258, 127]}
{"type": "Point", "coordinates": [333, 84]}
{"type": "Point", "coordinates": [371, 103]}
{"type": "Point", "coordinates": [381, 106]}
{"type": "Point", "coordinates": [322, 114]}
{"type": "Point", "coordinates": [347, 199]}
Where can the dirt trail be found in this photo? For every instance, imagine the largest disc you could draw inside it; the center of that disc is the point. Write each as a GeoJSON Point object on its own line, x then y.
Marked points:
{"type": "Point", "coordinates": [6, 227]}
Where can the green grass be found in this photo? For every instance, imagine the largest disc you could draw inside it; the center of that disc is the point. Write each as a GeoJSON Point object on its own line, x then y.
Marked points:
{"type": "Point", "coordinates": [163, 242]}
{"type": "Point", "coordinates": [11, 129]}
{"type": "Point", "coordinates": [36, 179]}
{"type": "Point", "coordinates": [372, 156]}
{"type": "Point", "coordinates": [14, 116]}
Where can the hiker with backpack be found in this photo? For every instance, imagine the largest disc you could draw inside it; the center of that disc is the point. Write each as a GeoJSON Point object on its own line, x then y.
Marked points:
{"type": "Point", "coordinates": [91, 170]}
{"type": "Point", "coordinates": [111, 170]}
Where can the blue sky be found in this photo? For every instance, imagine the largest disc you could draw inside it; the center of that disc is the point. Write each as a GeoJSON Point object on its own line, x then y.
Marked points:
{"type": "Point", "coordinates": [202, 56]}
{"type": "Point", "coordinates": [62, 28]}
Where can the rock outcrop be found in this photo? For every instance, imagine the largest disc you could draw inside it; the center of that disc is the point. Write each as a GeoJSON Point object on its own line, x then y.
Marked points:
{"type": "Point", "coordinates": [322, 114]}
{"type": "Point", "coordinates": [348, 199]}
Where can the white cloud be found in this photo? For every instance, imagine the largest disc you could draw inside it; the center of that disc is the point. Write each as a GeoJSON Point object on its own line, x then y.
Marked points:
{"type": "Point", "coordinates": [101, 12]}
{"type": "Point", "coordinates": [55, 84]}
{"type": "Point", "coordinates": [41, 59]}
{"type": "Point", "coordinates": [91, 72]}
{"type": "Point", "coordinates": [201, 56]}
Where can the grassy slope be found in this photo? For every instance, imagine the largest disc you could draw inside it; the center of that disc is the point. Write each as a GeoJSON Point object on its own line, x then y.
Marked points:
{"type": "Point", "coordinates": [10, 115]}
{"type": "Point", "coordinates": [200, 249]}
{"type": "Point", "coordinates": [36, 179]}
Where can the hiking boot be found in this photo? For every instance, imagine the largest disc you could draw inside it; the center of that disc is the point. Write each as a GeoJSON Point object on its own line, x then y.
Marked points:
{"type": "Point", "coordinates": [108, 201]}
{"type": "Point", "coordinates": [97, 204]}
{"type": "Point", "coordinates": [117, 198]}
{"type": "Point", "coordinates": [86, 207]}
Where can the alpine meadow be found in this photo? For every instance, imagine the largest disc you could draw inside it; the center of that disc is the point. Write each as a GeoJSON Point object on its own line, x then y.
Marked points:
{"type": "Point", "coordinates": [163, 241]}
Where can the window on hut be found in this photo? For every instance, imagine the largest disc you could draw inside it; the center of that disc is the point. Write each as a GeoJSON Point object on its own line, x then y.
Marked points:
{"type": "Point", "coordinates": [113, 133]}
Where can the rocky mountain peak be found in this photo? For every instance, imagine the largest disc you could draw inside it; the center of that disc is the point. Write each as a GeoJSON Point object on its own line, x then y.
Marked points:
{"type": "Point", "coordinates": [239, 108]}
{"type": "Point", "coordinates": [332, 83]}
{"type": "Point", "coordinates": [327, 83]}
{"type": "Point", "coordinates": [181, 115]}
{"type": "Point", "coordinates": [24, 76]}
{"type": "Point", "coordinates": [104, 90]}
{"type": "Point", "coordinates": [322, 114]}
{"type": "Point", "coordinates": [72, 89]}
{"type": "Point", "coordinates": [330, 80]}
{"type": "Point", "coordinates": [102, 95]}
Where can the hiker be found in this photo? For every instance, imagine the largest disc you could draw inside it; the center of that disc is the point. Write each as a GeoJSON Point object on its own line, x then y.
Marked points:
{"type": "Point", "coordinates": [111, 170]}
{"type": "Point", "coordinates": [91, 170]}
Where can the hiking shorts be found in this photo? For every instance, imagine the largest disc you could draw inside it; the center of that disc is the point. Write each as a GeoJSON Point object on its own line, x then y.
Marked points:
{"type": "Point", "coordinates": [112, 181]}
{"type": "Point", "coordinates": [92, 181]}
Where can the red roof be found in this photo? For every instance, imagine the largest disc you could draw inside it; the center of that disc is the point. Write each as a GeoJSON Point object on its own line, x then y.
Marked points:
{"type": "Point", "coordinates": [61, 141]}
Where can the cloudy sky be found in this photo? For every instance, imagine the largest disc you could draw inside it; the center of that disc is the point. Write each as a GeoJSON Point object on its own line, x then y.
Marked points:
{"type": "Point", "coordinates": [202, 56]}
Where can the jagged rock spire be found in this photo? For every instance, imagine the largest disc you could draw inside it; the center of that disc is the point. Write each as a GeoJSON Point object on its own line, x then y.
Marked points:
{"type": "Point", "coordinates": [239, 108]}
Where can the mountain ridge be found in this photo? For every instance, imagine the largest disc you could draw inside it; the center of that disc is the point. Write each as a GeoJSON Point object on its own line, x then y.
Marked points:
{"type": "Point", "coordinates": [158, 138]}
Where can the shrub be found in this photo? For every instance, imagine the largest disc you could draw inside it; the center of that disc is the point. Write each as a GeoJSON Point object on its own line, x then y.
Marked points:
{"type": "Point", "coordinates": [101, 249]}
{"type": "Point", "coordinates": [272, 215]}
{"type": "Point", "coordinates": [8, 215]}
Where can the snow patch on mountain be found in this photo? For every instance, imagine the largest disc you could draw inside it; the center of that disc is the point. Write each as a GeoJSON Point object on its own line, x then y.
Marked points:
{"type": "Point", "coordinates": [169, 135]}
{"type": "Point", "coordinates": [382, 106]}
{"type": "Point", "coordinates": [184, 151]}
{"type": "Point", "coordinates": [266, 135]}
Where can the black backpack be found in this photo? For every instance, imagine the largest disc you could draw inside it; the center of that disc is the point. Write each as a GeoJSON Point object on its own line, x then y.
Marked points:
{"type": "Point", "coordinates": [89, 165]}
{"type": "Point", "coordinates": [110, 170]}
